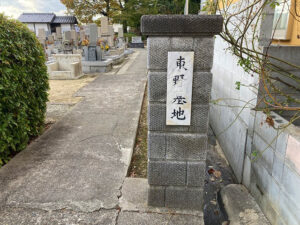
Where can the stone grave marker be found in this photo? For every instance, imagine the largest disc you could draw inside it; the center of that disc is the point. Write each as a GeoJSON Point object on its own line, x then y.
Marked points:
{"type": "Point", "coordinates": [50, 39]}
{"type": "Point", "coordinates": [58, 33]}
{"type": "Point", "coordinates": [137, 39]}
{"type": "Point", "coordinates": [93, 34]}
{"type": "Point", "coordinates": [180, 57]}
{"type": "Point", "coordinates": [74, 37]}
{"type": "Point", "coordinates": [67, 36]}
{"type": "Point", "coordinates": [93, 52]}
{"type": "Point", "coordinates": [99, 32]}
{"type": "Point", "coordinates": [42, 33]}
{"type": "Point", "coordinates": [104, 25]}
{"type": "Point", "coordinates": [136, 42]}
{"type": "Point", "coordinates": [120, 32]}
{"type": "Point", "coordinates": [82, 35]}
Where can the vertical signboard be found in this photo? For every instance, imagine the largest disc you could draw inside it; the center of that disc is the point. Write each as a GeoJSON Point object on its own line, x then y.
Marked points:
{"type": "Point", "coordinates": [179, 89]}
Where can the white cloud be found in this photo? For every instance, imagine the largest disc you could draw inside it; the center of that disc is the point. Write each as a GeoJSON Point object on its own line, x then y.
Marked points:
{"type": "Point", "coordinates": [11, 11]}
{"type": "Point", "coordinates": [15, 8]}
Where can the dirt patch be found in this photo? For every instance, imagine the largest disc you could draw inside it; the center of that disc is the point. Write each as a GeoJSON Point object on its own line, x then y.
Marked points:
{"type": "Point", "coordinates": [138, 166]}
{"type": "Point", "coordinates": [61, 97]}
{"type": "Point", "coordinates": [62, 91]}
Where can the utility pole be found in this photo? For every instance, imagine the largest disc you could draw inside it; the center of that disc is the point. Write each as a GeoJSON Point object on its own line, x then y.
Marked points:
{"type": "Point", "coordinates": [186, 7]}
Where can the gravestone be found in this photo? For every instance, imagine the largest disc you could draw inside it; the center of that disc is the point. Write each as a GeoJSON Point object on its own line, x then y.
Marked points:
{"type": "Point", "coordinates": [67, 36]}
{"type": "Point", "coordinates": [87, 30]}
{"type": "Point", "coordinates": [93, 52]}
{"type": "Point", "coordinates": [136, 42]}
{"type": "Point", "coordinates": [74, 37]}
{"type": "Point", "coordinates": [58, 33]}
{"type": "Point", "coordinates": [120, 32]}
{"type": "Point", "coordinates": [93, 34]}
{"type": "Point", "coordinates": [67, 42]}
{"type": "Point", "coordinates": [50, 39]}
{"type": "Point", "coordinates": [111, 34]}
{"type": "Point", "coordinates": [99, 32]}
{"type": "Point", "coordinates": [42, 33]}
{"type": "Point", "coordinates": [42, 36]}
{"type": "Point", "coordinates": [104, 25]}
{"type": "Point", "coordinates": [180, 57]}
{"type": "Point", "coordinates": [82, 35]}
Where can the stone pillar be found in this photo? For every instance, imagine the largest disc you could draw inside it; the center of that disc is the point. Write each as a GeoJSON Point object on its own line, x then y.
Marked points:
{"type": "Point", "coordinates": [177, 154]}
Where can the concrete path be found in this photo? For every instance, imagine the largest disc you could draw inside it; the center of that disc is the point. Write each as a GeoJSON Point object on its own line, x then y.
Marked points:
{"type": "Point", "coordinates": [74, 173]}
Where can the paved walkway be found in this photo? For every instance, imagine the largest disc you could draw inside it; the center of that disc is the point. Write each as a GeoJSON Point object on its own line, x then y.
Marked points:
{"type": "Point", "coordinates": [74, 173]}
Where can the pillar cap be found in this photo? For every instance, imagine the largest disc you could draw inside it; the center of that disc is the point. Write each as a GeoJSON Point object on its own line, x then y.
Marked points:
{"type": "Point", "coordinates": [181, 25]}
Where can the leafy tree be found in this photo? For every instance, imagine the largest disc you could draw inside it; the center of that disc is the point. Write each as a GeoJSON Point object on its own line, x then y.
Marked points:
{"type": "Point", "coordinates": [134, 9]}
{"type": "Point", "coordinates": [23, 87]}
{"type": "Point", "coordinates": [127, 12]}
{"type": "Point", "coordinates": [86, 10]}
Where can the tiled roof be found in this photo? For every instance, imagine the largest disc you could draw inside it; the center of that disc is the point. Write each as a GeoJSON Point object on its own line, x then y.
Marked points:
{"type": "Point", "coordinates": [37, 17]}
{"type": "Point", "coordinates": [46, 18]}
{"type": "Point", "coordinates": [65, 19]}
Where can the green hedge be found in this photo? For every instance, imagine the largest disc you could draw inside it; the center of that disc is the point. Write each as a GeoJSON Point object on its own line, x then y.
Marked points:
{"type": "Point", "coordinates": [23, 87]}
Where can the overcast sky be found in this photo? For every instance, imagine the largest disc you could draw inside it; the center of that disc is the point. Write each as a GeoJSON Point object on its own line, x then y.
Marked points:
{"type": "Point", "coordinates": [15, 8]}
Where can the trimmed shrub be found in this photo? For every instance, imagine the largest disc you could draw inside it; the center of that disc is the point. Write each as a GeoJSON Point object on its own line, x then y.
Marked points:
{"type": "Point", "coordinates": [23, 87]}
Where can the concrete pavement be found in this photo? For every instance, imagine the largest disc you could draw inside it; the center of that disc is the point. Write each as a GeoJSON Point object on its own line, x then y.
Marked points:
{"type": "Point", "coordinates": [74, 172]}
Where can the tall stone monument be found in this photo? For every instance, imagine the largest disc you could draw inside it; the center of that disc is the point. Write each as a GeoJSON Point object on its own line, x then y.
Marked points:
{"type": "Point", "coordinates": [180, 57]}
{"type": "Point", "coordinates": [104, 25]}
{"type": "Point", "coordinates": [58, 33]}
{"type": "Point", "coordinates": [93, 52]}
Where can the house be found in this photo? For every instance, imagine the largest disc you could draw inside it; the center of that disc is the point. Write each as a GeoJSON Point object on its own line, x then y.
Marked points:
{"type": "Point", "coordinates": [264, 156]}
{"type": "Point", "coordinates": [48, 22]}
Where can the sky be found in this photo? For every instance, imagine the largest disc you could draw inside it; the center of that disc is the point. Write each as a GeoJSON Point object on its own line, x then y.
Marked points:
{"type": "Point", "coordinates": [15, 8]}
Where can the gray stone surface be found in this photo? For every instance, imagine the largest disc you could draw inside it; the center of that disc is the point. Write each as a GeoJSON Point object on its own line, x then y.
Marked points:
{"type": "Point", "coordinates": [157, 119]}
{"type": "Point", "coordinates": [134, 199]}
{"type": "Point", "coordinates": [67, 36]}
{"type": "Point", "coordinates": [203, 48]}
{"type": "Point", "coordinates": [80, 163]}
{"type": "Point", "coordinates": [166, 173]}
{"type": "Point", "coordinates": [241, 206]}
{"type": "Point", "coordinates": [201, 87]}
{"type": "Point", "coordinates": [177, 146]}
{"type": "Point", "coordinates": [57, 111]}
{"type": "Point", "coordinates": [133, 218]}
{"type": "Point", "coordinates": [156, 145]}
{"type": "Point", "coordinates": [181, 25]}
{"type": "Point", "coordinates": [93, 37]}
{"type": "Point", "coordinates": [19, 216]}
{"type": "Point", "coordinates": [156, 196]}
{"type": "Point", "coordinates": [186, 146]}
{"type": "Point", "coordinates": [177, 154]}
{"type": "Point", "coordinates": [97, 66]}
{"type": "Point", "coordinates": [196, 174]}
{"type": "Point", "coordinates": [183, 197]}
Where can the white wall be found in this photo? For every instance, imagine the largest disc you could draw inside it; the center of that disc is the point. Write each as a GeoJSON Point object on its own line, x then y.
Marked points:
{"type": "Point", "coordinates": [274, 177]}
{"type": "Point", "coordinates": [44, 26]}
{"type": "Point", "coordinates": [66, 27]}
{"type": "Point", "coordinates": [30, 26]}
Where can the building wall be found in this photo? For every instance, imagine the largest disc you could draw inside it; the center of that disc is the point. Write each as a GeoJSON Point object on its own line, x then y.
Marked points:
{"type": "Point", "coordinates": [44, 26]}
{"type": "Point", "coordinates": [273, 177]}
{"type": "Point", "coordinates": [66, 27]}
{"type": "Point", "coordinates": [294, 23]}
{"type": "Point", "coordinates": [30, 26]}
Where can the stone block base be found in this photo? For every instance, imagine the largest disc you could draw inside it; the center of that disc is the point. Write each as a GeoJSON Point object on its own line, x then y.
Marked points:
{"type": "Point", "coordinates": [63, 75]}
{"type": "Point", "coordinates": [136, 45]}
{"type": "Point", "coordinates": [97, 66]}
{"type": "Point", "coordinates": [175, 197]}
{"type": "Point", "coordinates": [117, 59]}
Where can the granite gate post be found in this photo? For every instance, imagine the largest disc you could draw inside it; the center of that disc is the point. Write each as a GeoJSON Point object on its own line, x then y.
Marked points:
{"type": "Point", "coordinates": [177, 149]}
